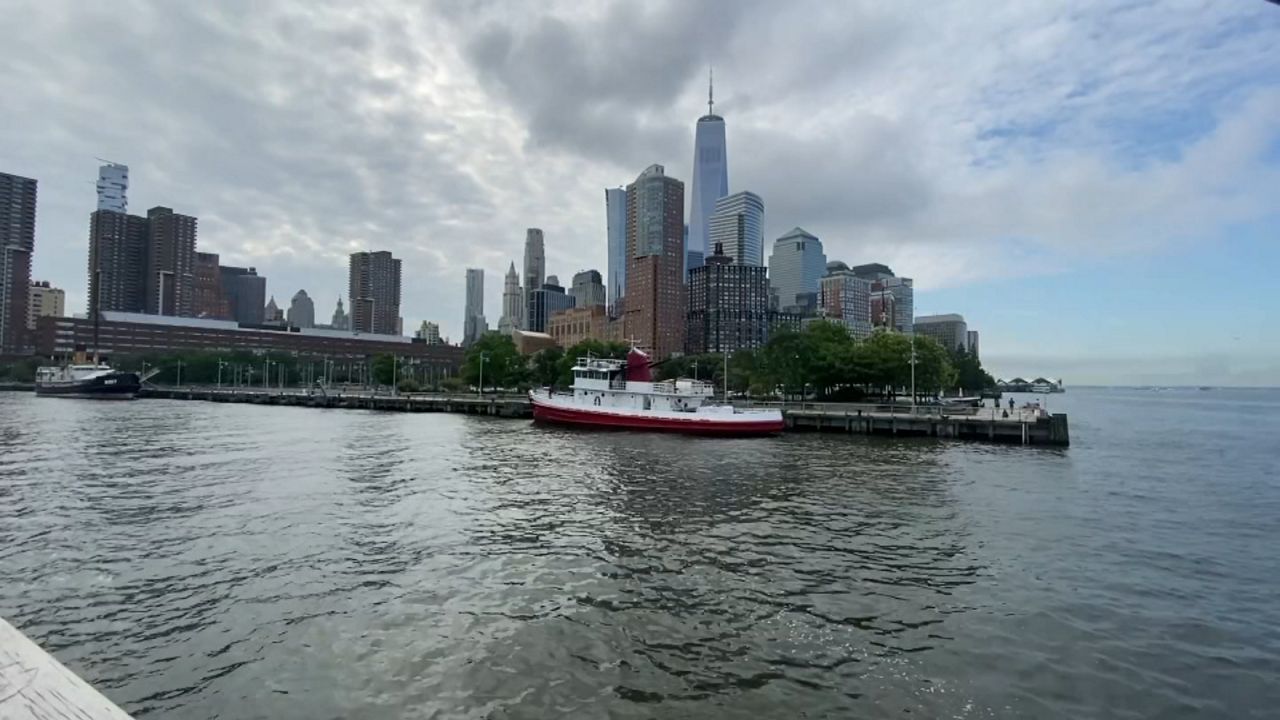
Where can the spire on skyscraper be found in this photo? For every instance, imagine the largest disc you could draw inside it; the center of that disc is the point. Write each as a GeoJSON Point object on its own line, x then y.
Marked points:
{"type": "Point", "coordinates": [711, 86]}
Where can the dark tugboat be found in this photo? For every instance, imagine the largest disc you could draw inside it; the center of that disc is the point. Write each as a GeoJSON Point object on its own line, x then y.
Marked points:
{"type": "Point", "coordinates": [89, 380]}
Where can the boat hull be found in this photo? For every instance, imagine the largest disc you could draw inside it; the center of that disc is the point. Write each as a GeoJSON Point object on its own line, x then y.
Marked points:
{"type": "Point", "coordinates": [115, 386]}
{"type": "Point", "coordinates": [721, 426]}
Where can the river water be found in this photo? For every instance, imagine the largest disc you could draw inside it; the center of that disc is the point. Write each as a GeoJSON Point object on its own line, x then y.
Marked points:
{"type": "Point", "coordinates": [198, 560]}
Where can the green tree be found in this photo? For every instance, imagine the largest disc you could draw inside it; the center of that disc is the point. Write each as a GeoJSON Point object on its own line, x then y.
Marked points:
{"type": "Point", "coordinates": [503, 364]}
{"type": "Point", "coordinates": [547, 367]}
{"type": "Point", "coordinates": [384, 369]}
{"type": "Point", "coordinates": [970, 377]}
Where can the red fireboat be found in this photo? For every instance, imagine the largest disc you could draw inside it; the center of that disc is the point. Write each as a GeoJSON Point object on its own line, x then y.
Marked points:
{"type": "Point", "coordinates": [622, 394]}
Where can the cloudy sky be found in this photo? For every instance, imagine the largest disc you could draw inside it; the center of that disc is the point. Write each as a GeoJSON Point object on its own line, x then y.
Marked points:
{"type": "Point", "coordinates": [1094, 185]}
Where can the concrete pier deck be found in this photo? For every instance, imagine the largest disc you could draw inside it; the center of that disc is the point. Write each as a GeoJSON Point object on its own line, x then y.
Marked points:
{"type": "Point", "coordinates": [1026, 426]}
{"type": "Point", "coordinates": [35, 686]}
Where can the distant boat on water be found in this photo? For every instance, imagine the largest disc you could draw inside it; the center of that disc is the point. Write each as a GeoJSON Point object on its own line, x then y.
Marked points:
{"type": "Point", "coordinates": [97, 381]}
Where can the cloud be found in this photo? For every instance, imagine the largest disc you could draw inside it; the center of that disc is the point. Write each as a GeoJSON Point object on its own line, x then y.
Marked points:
{"type": "Point", "coordinates": [951, 140]}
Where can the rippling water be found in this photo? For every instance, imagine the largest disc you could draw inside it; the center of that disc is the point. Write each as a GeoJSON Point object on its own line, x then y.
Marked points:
{"type": "Point", "coordinates": [198, 560]}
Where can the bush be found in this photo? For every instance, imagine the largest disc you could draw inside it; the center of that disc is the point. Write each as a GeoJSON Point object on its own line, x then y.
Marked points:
{"type": "Point", "coordinates": [408, 385]}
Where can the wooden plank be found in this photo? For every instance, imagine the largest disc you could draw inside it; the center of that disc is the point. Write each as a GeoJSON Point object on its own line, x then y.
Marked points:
{"type": "Point", "coordinates": [35, 686]}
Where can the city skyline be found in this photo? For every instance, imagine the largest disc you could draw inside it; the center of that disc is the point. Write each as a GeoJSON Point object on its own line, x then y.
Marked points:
{"type": "Point", "coordinates": [1055, 179]}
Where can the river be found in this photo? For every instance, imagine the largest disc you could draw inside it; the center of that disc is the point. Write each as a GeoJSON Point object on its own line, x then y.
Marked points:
{"type": "Point", "coordinates": [200, 560]}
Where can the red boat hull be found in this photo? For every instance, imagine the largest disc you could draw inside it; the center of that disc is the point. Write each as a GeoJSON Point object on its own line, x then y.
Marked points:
{"type": "Point", "coordinates": [693, 426]}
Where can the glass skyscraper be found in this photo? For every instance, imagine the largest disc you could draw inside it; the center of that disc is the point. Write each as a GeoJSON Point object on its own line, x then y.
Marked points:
{"type": "Point", "coordinates": [737, 226]}
{"type": "Point", "coordinates": [615, 202]}
{"type": "Point", "coordinates": [710, 182]}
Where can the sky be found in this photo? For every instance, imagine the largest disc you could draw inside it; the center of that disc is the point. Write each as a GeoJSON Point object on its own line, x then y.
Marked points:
{"type": "Point", "coordinates": [1095, 186]}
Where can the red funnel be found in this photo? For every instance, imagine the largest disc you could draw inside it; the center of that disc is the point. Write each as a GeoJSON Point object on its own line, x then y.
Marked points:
{"type": "Point", "coordinates": [638, 367]}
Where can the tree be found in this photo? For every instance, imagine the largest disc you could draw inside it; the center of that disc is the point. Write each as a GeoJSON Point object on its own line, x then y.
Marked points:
{"type": "Point", "coordinates": [503, 364]}
{"type": "Point", "coordinates": [384, 369]}
{"type": "Point", "coordinates": [547, 366]}
{"type": "Point", "coordinates": [970, 377]}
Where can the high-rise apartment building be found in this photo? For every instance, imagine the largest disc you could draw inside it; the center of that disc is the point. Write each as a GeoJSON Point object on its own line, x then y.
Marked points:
{"type": "Point", "coordinates": [796, 265]}
{"type": "Point", "coordinates": [710, 180]}
{"type": "Point", "coordinates": [302, 311]}
{"type": "Point", "coordinates": [374, 289]}
{"type": "Point", "coordinates": [473, 323]}
{"type": "Point", "coordinates": [208, 299]}
{"type": "Point", "coordinates": [615, 203]}
{"type": "Point", "coordinates": [171, 260]}
{"type": "Point", "coordinates": [512, 302]}
{"type": "Point", "coordinates": [588, 289]}
{"type": "Point", "coordinates": [737, 225]}
{"type": "Point", "coordinates": [949, 330]}
{"type": "Point", "coordinates": [429, 333]}
{"type": "Point", "coordinates": [118, 251]}
{"type": "Point", "coordinates": [846, 298]}
{"type": "Point", "coordinates": [534, 271]}
{"type": "Point", "coordinates": [45, 301]}
{"type": "Point", "coordinates": [17, 243]}
{"type": "Point", "coordinates": [728, 306]}
{"type": "Point", "coordinates": [113, 187]}
{"type": "Point", "coordinates": [654, 314]}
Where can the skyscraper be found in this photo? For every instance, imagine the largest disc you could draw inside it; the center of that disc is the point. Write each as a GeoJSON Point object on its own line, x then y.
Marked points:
{"type": "Point", "coordinates": [950, 330]}
{"type": "Point", "coordinates": [737, 225]}
{"type": "Point", "coordinates": [535, 270]}
{"type": "Point", "coordinates": [728, 306]}
{"type": "Point", "coordinates": [588, 289]}
{"type": "Point", "coordinates": [302, 311]}
{"type": "Point", "coordinates": [374, 288]}
{"type": "Point", "coordinates": [118, 249]}
{"type": "Point", "coordinates": [795, 266]}
{"type": "Point", "coordinates": [846, 298]}
{"type": "Point", "coordinates": [512, 302]}
{"type": "Point", "coordinates": [340, 321]}
{"type": "Point", "coordinates": [272, 314]}
{"type": "Point", "coordinates": [710, 180]}
{"type": "Point", "coordinates": [245, 291]}
{"type": "Point", "coordinates": [113, 187]}
{"type": "Point", "coordinates": [615, 204]}
{"type": "Point", "coordinates": [545, 302]}
{"type": "Point", "coordinates": [17, 243]}
{"type": "Point", "coordinates": [171, 260]}
{"type": "Point", "coordinates": [654, 315]}
{"type": "Point", "coordinates": [473, 322]}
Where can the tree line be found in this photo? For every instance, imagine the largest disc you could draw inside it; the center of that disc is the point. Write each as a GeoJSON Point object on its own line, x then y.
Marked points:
{"type": "Point", "coordinates": [823, 360]}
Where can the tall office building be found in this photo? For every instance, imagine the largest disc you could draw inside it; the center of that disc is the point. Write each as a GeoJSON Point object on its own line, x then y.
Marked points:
{"type": "Point", "coordinates": [302, 311]}
{"type": "Point", "coordinates": [17, 243]}
{"type": "Point", "coordinates": [654, 314]}
{"type": "Point", "coordinates": [374, 289]}
{"type": "Point", "coordinates": [904, 303]}
{"type": "Point", "coordinates": [473, 323]}
{"type": "Point", "coordinates": [615, 203]}
{"type": "Point", "coordinates": [272, 314]}
{"type": "Point", "coordinates": [588, 289]}
{"type": "Point", "coordinates": [245, 291]}
{"type": "Point", "coordinates": [972, 342]}
{"type": "Point", "coordinates": [208, 299]}
{"type": "Point", "coordinates": [535, 270]}
{"type": "Point", "coordinates": [512, 302]}
{"type": "Point", "coordinates": [949, 330]}
{"type": "Point", "coordinates": [118, 251]}
{"type": "Point", "coordinates": [737, 225]}
{"type": "Point", "coordinates": [846, 298]}
{"type": "Point", "coordinates": [340, 321]}
{"type": "Point", "coordinates": [113, 187]}
{"type": "Point", "coordinates": [545, 302]}
{"type": "Point", "coordinates": [710, 180]}
{"type": "Point", "coordinates": [795, 267]}
{"type": "Point", "coordinates": [171, 260]}
{"type": "Point", "coordinates": [728, 306]}
{"type": "Point", "coordinates": [45, 301]}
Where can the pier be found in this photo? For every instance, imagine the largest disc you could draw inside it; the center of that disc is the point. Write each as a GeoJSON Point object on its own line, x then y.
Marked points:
{"type": "Point", "coordinates": [35, 686]}
{"type": "Point", "coordinates": [1025, 426]}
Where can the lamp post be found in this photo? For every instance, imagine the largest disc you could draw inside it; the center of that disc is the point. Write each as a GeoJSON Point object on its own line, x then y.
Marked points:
{"type": "Point", "coordinates": [220, 366]}
{"type": "Point", "coordinates": [483, 357]}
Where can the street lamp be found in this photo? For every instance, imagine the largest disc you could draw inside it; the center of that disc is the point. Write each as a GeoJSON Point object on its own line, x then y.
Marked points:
{"type": "Point", "coordinates": [220, 366]}
{"type": "Point", "coordinates": [484, 356]}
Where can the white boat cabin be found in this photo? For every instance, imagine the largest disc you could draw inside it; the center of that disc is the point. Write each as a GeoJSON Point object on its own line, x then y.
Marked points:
{"type": "Point", "coordinates": [602, 383]}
